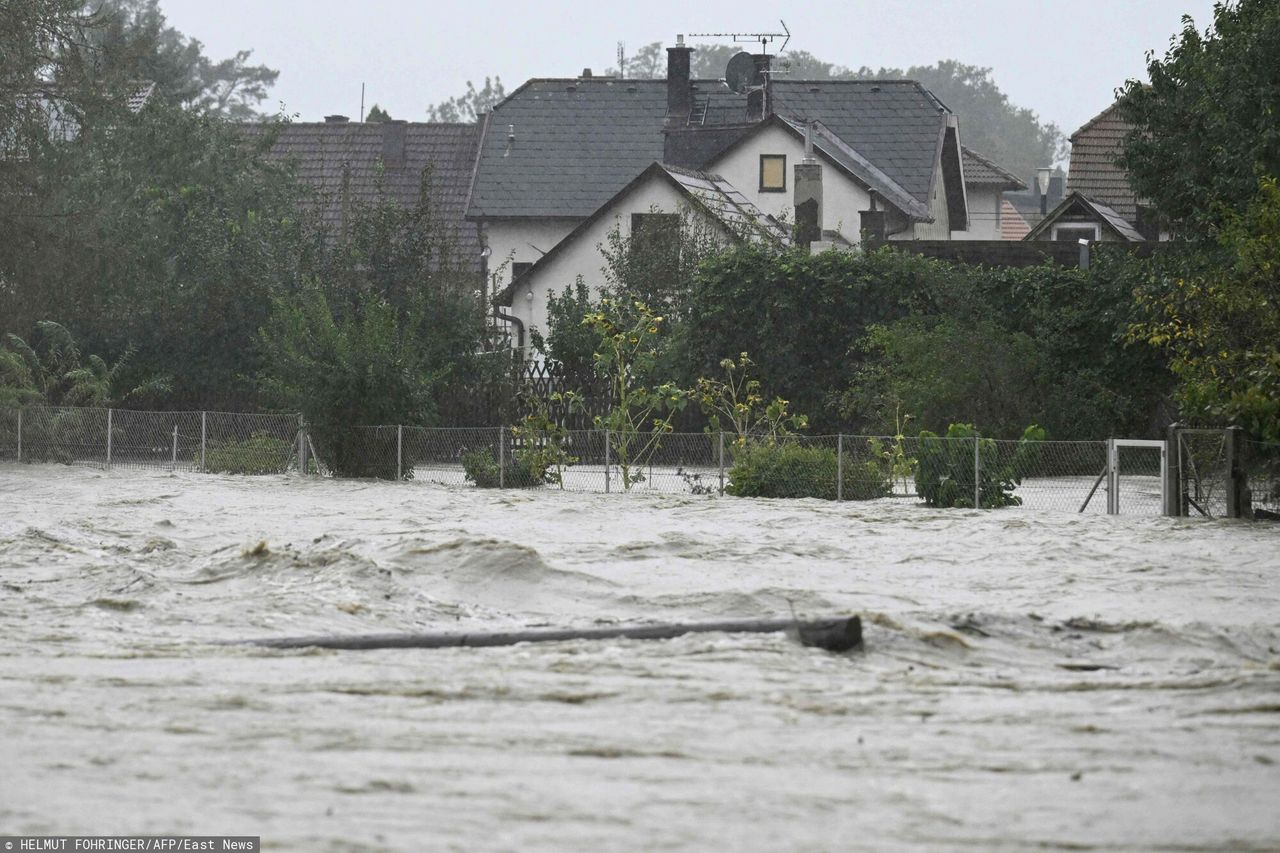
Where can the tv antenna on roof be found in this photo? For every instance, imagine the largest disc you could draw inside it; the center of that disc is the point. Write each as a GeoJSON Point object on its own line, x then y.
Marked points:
{"type": "Point", "coordinates": [763, 38]}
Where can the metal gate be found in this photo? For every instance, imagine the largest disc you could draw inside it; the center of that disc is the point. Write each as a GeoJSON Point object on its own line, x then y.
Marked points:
{"type": "Point", "coordinates": [1146, 482]}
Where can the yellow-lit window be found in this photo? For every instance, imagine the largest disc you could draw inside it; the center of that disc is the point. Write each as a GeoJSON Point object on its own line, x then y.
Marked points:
{"type": "Point", "coordinates": [773, 173]}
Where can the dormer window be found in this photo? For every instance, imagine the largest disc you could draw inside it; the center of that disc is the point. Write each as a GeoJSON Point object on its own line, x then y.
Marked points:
{"type": "Point", "coordinates": [773, 173]}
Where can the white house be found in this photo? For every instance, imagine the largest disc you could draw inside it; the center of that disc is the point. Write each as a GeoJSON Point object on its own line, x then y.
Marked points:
{"type": "Point", "coordinates": [561, 160]}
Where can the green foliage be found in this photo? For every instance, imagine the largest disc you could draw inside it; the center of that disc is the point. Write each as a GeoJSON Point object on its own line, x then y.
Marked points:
{"type": "Point", "coordinates": [58, 376]}
{"type": "Point", "coordinates": [642, 409]}
{"type": "Point", "coordinates": [801, 316]}
{"type": "Point", "coordinates": [946, 368]}
{"type": "Point", "coordinates": [788, 469]}
{"type": "Point", "coordinates": [854, 337]}
{"type": "Point", "coordinates": [1220, 323]}
{"type": "Point", "coordinates": [1207, 123]}
{"type": "Point", "coordinates": [343, 366]}
{"type": "Point", "coordinates": [468, 106]}
{"type": "Point", "coordinates": [482, 469]}
{"type": "Point", "coordinates": [260, 453]}
{"type": "Point", "coordinates": [544, 443]}
{"type": "Point", "coordinates": [737, 398]}
{"type": "Point", "coordinates": [944, 473]}
{"type": "Point", "coordinates": [892, 456]}
{"type": "Point", "coordinates": [377, 113]}
{"type": "Point", "coordinates": [134, 41]}
{"type": "Point", "coordinates": [570, 340]}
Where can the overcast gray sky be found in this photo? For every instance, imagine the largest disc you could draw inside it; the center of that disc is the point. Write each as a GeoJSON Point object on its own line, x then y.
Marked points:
{"type": "Point", "coordinates": [1063, 60]}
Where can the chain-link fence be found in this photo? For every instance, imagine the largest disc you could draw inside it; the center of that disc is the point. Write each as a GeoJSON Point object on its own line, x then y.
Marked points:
{"type": "Point", "coordinates": [1192, 474]}
{"type": "Point", "coordinates": [214, 442]}
{"type": "Point", "coordinates": [1261, 464]}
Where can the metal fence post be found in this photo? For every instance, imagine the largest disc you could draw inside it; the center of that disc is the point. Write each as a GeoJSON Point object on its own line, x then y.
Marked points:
{"type": "Point", "coordinates": [203, 433]}
{"type": "Point", "coordinates": [19, 435]}
{"type": "Point", "coordinates": [108, 438]}
{"type": "Point", "coordinates": [721, 457]}
{"type": "Point", "coordinates": [977, 472]}
{"type": "Point", "coordinates": [840, 466]}
{"type": "Point", "coordinates": [1113, 480]}
{"type": "Point", "coordinates": [302, 445]}
{"type": "Point", "coordinates": [606, 462]}
{"type": "Point", "coordinates": [399, 450]}
{"type": "Point", "coordinates": [502, 459]}
{"type": "Point", "coordinates": [173, 457]}
{"type": "Point", "coordinates": [1173, 503]}
{"type": "Point", "coordinates": [1237, 478]}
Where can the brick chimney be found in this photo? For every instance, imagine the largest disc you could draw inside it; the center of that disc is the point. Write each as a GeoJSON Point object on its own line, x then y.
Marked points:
{"type": "Point", "coordinates": [760, 100]}
{"type": "Point", "coordinates": [808, 194]}
{"type": "Point", "coordinates": [679, 86]}
{"type": "Point", "coordinates": [393, 135]}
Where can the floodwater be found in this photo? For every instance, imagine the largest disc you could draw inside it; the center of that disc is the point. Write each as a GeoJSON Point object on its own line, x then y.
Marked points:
{"type": "Point", "coordinates": [1030, 680]}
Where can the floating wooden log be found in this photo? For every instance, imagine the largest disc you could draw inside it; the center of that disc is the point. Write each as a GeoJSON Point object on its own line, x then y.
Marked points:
{"type": "Point", "coordinates": [836, 634]}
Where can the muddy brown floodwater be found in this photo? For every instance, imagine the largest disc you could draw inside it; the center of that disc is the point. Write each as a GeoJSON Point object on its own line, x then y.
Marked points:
{"type": "Point", "coordinates": [1030, 679]}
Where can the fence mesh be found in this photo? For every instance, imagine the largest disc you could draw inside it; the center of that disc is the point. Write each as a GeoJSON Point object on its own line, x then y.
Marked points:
{"type": "Point", "coordinates": [1066, 476]}
{"type": "Point", "coordinates": [1201, 456]}
{"type": "Point", "coordinates": [1261, 461]}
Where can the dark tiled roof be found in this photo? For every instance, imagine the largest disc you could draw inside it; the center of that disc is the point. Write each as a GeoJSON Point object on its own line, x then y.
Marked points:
{"type": "Point", "coordinates": [834, 147]}
{"type": "Point", "coordinates": [981, 172]}
{"type": "Point", "coordinates": [577, 142]}
{"type": "Point", "coordinates": [1093, 163]}
{"type": "Point", "coordinates": [327, 154]}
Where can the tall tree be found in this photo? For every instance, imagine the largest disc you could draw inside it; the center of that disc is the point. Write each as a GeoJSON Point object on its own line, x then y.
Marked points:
{"type": "Point", "coordinates": [136, 42]}
{"type": "Point", "coordinates": [1207, 123]}
{"type": "Point", "coordinates": [468, 106]}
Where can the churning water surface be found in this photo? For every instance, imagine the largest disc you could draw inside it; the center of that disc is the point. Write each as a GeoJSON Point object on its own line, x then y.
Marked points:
{"type": "Point", "coordinates": [1030, 679]}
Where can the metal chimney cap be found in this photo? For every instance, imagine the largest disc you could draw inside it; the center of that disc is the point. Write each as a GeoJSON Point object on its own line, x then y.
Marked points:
{"type": "Point", "coordinates": [680, 40]}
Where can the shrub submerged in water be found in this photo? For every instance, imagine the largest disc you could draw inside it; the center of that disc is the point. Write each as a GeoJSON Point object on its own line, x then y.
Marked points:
{"type": "Point", "coordinates": [482, 469]}
{"type": "Point", "coordinates": [945, 467]}
{"type": "Point", "coordinates": [260, 453]}
{"type": "Point", "coordinates": [791, 470]}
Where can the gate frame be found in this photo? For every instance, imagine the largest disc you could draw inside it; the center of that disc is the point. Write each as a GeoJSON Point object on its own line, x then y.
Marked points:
{"type": "Point", "coordinates": [1113, 470]}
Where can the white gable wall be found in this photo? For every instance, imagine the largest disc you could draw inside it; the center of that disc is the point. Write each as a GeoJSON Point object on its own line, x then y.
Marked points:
{"type": "Point", "coordinates": [527, 240]}
{"type": "Point", "coordinates": [582, 257]}
{"type": "Point", "coordinates": [843, 200]}
{"type": "Point", "coordinates": [984, 214]}
{"type": "Point", "coordinates": [940, 227]}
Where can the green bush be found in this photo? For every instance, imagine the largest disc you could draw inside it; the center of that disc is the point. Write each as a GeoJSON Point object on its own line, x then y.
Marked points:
{"type": "Point", "coordinates": [791, 470]}
{"type": "Point", "coordinates": [482, 469]}
{"type": "Point", "coordinates": [261, 453]}
{"type": "Point", "coordinates": [944, 468]}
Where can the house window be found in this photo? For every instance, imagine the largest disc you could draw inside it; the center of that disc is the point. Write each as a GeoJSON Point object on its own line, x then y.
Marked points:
{"type": "Point", "coordinates": [1072, 233]}
{"type": "Point", "coordinates": [773, 173]}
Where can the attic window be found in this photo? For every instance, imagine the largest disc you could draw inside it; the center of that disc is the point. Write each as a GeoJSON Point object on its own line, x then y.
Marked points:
{"type": "Point", "coordinates": [773, 173]}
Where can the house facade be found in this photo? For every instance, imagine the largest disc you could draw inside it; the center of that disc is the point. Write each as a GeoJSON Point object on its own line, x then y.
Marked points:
{"type": "Point", "coordinates": [831, 159]}
{"type": "Point", "coordinates": [1100, 204]}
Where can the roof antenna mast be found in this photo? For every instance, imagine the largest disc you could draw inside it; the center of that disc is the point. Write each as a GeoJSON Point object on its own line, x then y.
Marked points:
{"type": "Point", "coordinates": [622, 60]}
{"type": "Point", "coordinates": [764, 38]}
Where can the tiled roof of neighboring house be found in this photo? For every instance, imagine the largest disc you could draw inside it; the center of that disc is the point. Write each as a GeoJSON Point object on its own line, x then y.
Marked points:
{"type": "Point", "coordinates": [712, 193]}
{"type": "Point", "coordinates": [578, 141]}
{"type": "Point", "coordinates": [867, 173]}
{"type": "Point", "coordinates": [1091, 207]}
{"type": "Point", "coordinates": [337, 158]}
{"type": "Point", "coordinates": [1094, 172]}
{"type": "Point", "coordinates": [1012, 225]}
{"type": "Point", "coordinates": [981, 172]}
